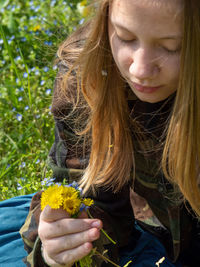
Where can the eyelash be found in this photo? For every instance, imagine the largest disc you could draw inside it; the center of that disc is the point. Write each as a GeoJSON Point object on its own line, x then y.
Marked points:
{"type": "Point", "coordinates": [171, 51]}
{"type": "Point", "coordinates": [166, 50]}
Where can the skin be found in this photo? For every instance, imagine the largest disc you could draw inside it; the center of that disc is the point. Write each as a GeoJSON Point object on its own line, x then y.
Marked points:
{"type": "Point", "coordinates": [137, 31]}
{"type": "Point", "coordinates": [142, 57]}
{"type": "Point", "coordinates": [66, 240]}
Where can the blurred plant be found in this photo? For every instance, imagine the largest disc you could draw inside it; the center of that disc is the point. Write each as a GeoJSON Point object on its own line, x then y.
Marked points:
{"type": "Point", "coordinates": [30, 33]}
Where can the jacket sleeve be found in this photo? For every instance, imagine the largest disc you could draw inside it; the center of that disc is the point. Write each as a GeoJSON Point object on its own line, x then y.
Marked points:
{"type": "Point", "coordinates": [67, 161]}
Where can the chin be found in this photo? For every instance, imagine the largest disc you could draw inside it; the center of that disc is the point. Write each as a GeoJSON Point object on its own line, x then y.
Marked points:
{"type": "Point", "coordinates": [152, 98]}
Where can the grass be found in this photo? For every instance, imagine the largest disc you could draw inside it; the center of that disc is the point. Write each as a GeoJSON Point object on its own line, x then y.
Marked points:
{"type": "Point", "coordinates": [30, 32]}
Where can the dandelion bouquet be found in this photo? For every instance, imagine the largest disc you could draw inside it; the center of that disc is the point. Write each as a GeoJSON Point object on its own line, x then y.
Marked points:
{"type": "Point", "coordinates": [69, 197]}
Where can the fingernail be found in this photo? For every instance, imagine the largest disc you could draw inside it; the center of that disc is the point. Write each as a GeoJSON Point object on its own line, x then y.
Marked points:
{"type": "Point", "coordinates": [96, 224]}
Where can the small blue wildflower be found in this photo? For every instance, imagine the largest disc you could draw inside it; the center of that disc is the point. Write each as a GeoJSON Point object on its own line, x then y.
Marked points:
{"type": "Point", "coordinates": [58, 184]}
{"type": "Point", "coordinates": [37, 161]}
{"type": "Point", "coordinates": [1, 41]}
{"type": "Point", "coordinates": [19, 117]}
{"type": "Point", "coordinates": [42, 82]}
{"type": "Point", "coordinates": [75, 185]}
{"type": "Point", "coordinates": [8, 166]}
{"type": "Point", "coordinates": [23, 39]}
{"type": "Point", "coordinates": [17, 80]}
{"type": "Point", "coordinates": [46, 69]}
{"type": "Point", "coordinates": [2, 10]}
{"type": "Point", "coordinates": [3, 61]}
{"type": "Point", "coordinates": [13, 8]}
{"type": "Point", "coordinates": [25, 28]}
{"type": "Point", "coordinates": [25, 75]}
{"type": "Point", "coordinates": [81, 21]}
{"type": "Point", "coordinates": [12, 37]}
{"type": "Point", "coordinates": [37, 72]}
{"type": "Point", "coordinates": [23, 164]}
{"type": "Point", "coordinates": [49, 43]}
{"type": "Point", "coordinates": [19, 187]}
{"type": "Point", "coordinates": [21, 89]}
{"type": "Point", "coordinates": [32, 69]}
{"type": "Point", "coordinates": [37, 33]}
{"type": "Point", "coordinates": [9, 41]}
{"type": "Point", "coordinates": [47, 31]}
{"type": "Point", "coordinates": [17, 58]}
{"type": "Point", "coordinates": [48, 181]}
{"type": "Point", "coordinates": [37, 8]}
{"type": "Point", "coordinates": [48, 92]}
{"type": "Point", "coordinates": [14, 109]}
{"type": "Point", "coordinates": [20, 98]}
{"type": "Point", "coordinates": [26, 107]}
{"type": "Point", "coordinates": [53, 2]}
{"type": "Point", "coordinates": [43, 182]}
{"type": "Point", "coordinates": [37, 116]}
{"type": "Point", "coordinates": [82, 207]}
{"type": "Point", "coordinates": [22, 179]}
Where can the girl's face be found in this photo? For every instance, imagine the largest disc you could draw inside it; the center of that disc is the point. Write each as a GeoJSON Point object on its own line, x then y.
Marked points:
{"type": "Point", "coordinates": [145, 38]}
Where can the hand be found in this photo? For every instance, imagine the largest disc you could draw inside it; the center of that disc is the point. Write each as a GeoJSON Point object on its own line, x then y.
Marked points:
{"type": "Point", "coordinates": [66, 240]}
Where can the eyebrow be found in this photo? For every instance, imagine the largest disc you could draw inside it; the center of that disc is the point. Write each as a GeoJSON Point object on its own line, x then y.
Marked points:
{"type": "Point", "coordinates": [168, 37]}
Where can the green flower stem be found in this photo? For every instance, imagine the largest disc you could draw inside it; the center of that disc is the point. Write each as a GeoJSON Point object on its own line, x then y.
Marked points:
{"type": "Point", "coordinates": [106, 259]}
{"type": "Point", "coordinates": [10, 53]}
{"type": "Point", "coordinates": [108, 237]}
{"type": "Point", "coordinates": [102, 230]}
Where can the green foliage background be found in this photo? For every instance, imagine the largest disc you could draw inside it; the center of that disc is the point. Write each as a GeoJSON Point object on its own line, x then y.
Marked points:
{"type": "Point", "coordinates": [30, 32]}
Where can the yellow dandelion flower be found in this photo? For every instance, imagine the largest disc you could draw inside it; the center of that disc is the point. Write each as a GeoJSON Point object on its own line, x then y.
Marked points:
{"type": "Point", "coordinates": [36, 28]}
{"type": "Point", "coordinates": [88, 202]}
{"type": "Point", "coordinates": [86, 11]}
{"type": "Point", "coordinates": [71, 204]}
{"type": "Point", "coordinates": [52, 197]}
{"type": "Point", "coordinates": [69, 192]}
{"type": "Point", "coordinates": [83, 3]}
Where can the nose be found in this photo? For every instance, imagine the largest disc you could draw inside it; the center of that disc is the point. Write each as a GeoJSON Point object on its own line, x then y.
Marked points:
{"type": "Point", "coordinates": [143, 65]}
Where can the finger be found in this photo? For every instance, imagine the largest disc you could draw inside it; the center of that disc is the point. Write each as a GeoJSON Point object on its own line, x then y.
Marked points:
{"type": "Point", "coordinates": [68, 226]}
{"type": "Point", "coordinates": [57, 245]}
{"type": "Point", "coordinates": [51, 215]}
{"type": "Point", "coordinates": [70, 256]}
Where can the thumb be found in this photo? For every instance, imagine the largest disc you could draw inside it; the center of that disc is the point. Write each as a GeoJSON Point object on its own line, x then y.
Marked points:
{"type": "Point", "coordinates": [50, 215]}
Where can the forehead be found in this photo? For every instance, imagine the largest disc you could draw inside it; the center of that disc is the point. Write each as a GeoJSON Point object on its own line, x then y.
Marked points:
{"type": "Point", "coordinates": [147, 14]}
{"type": "Point", "coordinates": [168, 5]}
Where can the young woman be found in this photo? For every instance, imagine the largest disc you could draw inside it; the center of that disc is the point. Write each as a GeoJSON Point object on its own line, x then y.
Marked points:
{"type": "Point", "coordinates": [126, 106]}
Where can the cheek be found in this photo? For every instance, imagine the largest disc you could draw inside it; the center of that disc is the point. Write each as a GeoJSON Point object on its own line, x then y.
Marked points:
{"type": "Point", "coordinates": [121, 56]}
{"type": "Point", "coordinates": [173, 69]}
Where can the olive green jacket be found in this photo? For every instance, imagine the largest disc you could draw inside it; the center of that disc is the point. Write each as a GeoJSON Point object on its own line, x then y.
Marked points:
{"type": "Point", "coordinates": [170, 220]}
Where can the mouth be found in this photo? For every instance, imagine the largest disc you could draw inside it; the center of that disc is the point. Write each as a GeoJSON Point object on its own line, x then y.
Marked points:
{"type": "Point", "coordinates": [145, 89]}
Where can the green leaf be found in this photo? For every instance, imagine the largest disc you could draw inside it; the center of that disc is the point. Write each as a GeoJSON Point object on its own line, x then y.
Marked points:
{"type": "Point", "coordinates": [12, 23]}
{"type": "Point", "coordinates": [3, 3]}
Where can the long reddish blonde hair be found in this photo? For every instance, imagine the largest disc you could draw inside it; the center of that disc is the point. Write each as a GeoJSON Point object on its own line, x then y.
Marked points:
{"type": "Point", "coordinates": [103, 91]}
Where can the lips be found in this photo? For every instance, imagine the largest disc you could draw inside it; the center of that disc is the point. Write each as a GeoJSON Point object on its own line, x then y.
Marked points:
{"type": "Point", "coordinates": [145, 89]}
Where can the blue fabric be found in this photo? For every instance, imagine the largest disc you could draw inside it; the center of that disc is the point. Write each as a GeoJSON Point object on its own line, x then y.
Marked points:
{"type": "Point", "coordinates": [144, 250]}
{"type": "Point", "coordinates": [13, 213]}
